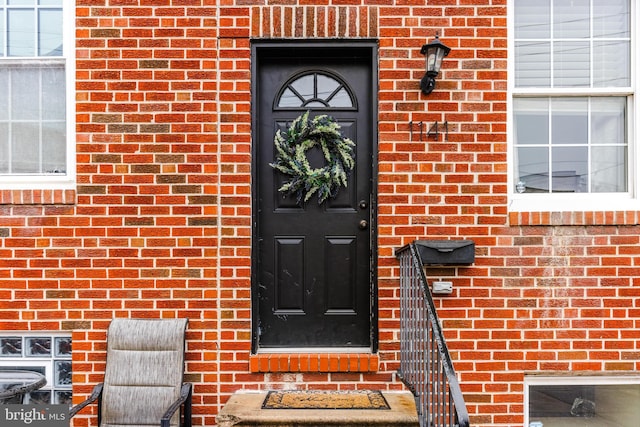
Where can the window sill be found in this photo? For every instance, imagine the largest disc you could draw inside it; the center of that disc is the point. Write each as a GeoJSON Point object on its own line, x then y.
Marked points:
{"type": "Point", "coordinates": [38, 197]}
{"type": "Point", "coordinates": [574, 211]}
{"type": "Point", "coordinates": [575, 218]}
{"type": "Point", "coordinates": [313, 362]}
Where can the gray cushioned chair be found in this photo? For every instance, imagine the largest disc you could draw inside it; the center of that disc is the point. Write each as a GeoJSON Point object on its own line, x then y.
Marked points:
{"type": "Point", "coordinates": [143, 377]}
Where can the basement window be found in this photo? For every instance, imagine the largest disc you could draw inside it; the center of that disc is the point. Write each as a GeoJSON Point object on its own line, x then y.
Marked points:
{"type": "Point", "coordinates": [582, 401]}
{"type": "Point", "coordinates": [46, 353]}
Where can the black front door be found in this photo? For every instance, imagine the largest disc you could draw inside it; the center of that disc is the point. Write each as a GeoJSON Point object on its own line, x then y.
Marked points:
{"type": "Point", "coordinates": [312, 261]}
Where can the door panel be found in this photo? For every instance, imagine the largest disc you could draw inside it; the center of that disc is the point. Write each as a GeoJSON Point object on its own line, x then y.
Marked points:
{"type": "Point", "coordinates": [341, 275]}
{"type": "Point", "coordinates": [289, 273]}
{"type": "Point", "coordinates": [312, 262]}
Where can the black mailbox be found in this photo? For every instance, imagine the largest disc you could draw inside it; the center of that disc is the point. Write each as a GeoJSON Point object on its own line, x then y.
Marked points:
{"type": "Point", "coordinates": [446, 252]}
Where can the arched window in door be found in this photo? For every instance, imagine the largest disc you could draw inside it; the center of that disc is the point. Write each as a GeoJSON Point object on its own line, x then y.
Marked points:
{"type": "Point", "coordinates": [317, 90]}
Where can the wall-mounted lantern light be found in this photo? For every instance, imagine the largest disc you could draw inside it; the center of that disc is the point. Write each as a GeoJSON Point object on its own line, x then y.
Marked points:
{"type": "Point", "coordinates": [433, 52]}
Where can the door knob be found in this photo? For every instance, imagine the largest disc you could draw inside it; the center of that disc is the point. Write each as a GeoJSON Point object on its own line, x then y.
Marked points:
{"type": "Point", "coordinates": [363, 224]}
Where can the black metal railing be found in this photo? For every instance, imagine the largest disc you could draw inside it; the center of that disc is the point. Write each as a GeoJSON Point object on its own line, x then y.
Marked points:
{"type": "Point", "coordinates": [425, 363]}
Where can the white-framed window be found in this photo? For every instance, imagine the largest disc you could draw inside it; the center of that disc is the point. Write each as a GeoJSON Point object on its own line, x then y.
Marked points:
{"type": "Point", "coordinates": [46, 353]}
{"type": "Point", "coordinates": [583, 401]}
{"type": "Point", "coordinates": [37, 49]}
{"type": "Point", "coordinates": [572, 104]}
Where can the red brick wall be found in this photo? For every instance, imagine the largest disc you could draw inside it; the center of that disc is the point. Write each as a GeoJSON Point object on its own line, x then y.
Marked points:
{"type": "Point", "coordinates": [160, 222]}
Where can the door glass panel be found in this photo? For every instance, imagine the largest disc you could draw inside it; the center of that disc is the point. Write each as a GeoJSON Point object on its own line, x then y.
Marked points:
{"type": "Point", "coordinates": [341, 99]}
{"type": "Point", "coordinates": [326, 86]}
{"type": "Point", "coordinates": [304, 86]}
{"type": "Point", "coordinates": [289, 99]}
{"type": "Point", "coordinates": [315, 90]}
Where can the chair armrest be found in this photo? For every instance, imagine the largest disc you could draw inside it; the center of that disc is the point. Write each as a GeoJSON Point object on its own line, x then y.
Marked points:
{"type": "Point", "coordinates": [185, 397]}
{"type": "Point", "coordinates": [95, 394]}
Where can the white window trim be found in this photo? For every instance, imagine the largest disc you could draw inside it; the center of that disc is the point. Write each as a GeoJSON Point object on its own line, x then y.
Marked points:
{"type": "Point", "coordinates": [564, 202]}
{"type": "Point", "coordinates": [533, 380]}
{"type": "Point", "coordinates": [52, 181]}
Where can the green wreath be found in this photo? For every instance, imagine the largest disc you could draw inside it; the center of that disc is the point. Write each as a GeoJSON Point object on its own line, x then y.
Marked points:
{"type": "Point", "coordinates": [291, 159]}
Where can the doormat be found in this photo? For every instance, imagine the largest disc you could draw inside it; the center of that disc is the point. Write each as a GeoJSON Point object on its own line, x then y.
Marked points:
{"type": "Point", "coordinates": [306, 399]}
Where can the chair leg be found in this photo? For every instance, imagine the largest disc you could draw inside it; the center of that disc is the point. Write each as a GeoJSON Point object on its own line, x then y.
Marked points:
{"type": "Point", "coordinates": [187, 410]}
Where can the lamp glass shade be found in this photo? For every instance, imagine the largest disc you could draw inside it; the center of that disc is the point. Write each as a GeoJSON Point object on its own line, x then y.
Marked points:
{"type": "Point", "coordinates": [434, 52]}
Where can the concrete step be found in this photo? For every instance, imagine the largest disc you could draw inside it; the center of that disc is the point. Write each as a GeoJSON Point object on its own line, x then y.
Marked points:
{"type": "Point", "coordinates": [318, 409]}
